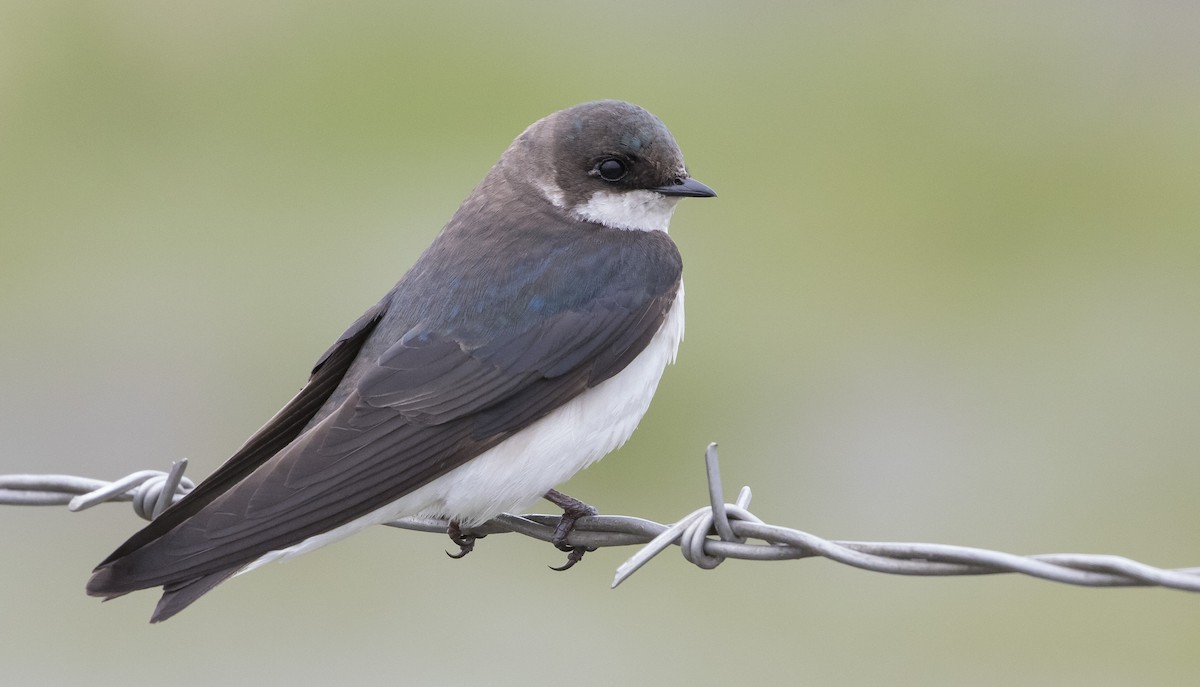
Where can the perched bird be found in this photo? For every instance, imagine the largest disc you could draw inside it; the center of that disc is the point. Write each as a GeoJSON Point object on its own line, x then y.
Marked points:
{"type": "Point", "coordinates": [524, 344]}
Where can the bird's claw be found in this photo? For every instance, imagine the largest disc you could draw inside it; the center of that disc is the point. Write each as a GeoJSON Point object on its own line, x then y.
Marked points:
{"type": "Point", "coordinates": [574, 555]}
{"type": "Point", "coordinates": [466, 542]}
{"type": "Point", "coordinates": [573, 510]}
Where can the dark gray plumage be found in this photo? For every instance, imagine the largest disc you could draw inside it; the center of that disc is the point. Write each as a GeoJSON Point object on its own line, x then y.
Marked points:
{"type": "Point", "coordinates": [525, 301]}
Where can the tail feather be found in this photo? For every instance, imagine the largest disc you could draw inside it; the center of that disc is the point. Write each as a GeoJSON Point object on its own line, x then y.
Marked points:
{"type": "Point", "coordinates": [110, 581]}
{"type": "Point", "coordinates": [180, 595]}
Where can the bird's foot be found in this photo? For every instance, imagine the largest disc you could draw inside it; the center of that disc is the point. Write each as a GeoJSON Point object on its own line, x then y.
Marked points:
{"type": "Point", "coordinates": [573, 510]}
{"type": "Point", "coordinates": [466, 542]}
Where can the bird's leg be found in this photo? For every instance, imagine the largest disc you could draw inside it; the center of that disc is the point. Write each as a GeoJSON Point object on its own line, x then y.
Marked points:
{"type": "Point", "coordinates": [466, 542]}
{"type": "Point", "coordinates": [573, 509]}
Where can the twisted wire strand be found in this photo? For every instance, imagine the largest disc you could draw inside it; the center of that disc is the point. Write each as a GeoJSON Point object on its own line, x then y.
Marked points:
{"type": "Point", "coordinates": [151, 491]}
{"type": "Point", "coordinates": [706, 536]}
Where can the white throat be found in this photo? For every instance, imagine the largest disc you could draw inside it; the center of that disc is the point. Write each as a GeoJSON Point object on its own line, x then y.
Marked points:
{"type": "Point", "coordinates": [629, 210]}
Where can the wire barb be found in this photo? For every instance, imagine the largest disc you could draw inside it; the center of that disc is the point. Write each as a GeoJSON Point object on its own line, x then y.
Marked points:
{"type": "Point", "coordinates": [691, 533]}
{"type": "Point", "coordinates": [706, 536]}
{"type": "Point", "coordinates": [151, 491]}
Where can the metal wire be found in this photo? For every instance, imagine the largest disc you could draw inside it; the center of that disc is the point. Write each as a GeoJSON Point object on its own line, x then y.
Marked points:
{"type": "Point", "coordinates": [706, 536]}
{"type": "Point", "coordinates": [150, 490]}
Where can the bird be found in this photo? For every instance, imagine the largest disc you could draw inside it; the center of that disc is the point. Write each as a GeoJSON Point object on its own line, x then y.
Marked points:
{"type": "Point", "coordinates": [524, 344]}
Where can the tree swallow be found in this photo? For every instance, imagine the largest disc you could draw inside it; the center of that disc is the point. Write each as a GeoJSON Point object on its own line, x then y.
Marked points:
{"type": "Point", "coordinates": [523, 345]}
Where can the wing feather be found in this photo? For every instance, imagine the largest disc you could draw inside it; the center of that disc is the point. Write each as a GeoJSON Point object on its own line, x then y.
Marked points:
{"type": "Point", "coordinates": [270, 439]}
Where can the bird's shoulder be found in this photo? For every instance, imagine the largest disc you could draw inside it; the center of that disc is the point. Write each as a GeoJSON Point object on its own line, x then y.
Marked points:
{"type": "Point", "coordinates": [489, 273]}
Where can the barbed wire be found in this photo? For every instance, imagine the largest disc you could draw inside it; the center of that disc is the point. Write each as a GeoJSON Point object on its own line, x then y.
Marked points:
{"type": "Point", "coordinates": [150, 490]}
{"type": "Point", "coordinates": [706, 536]}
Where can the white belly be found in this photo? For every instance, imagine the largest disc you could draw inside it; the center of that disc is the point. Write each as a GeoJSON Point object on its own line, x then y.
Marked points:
{"type": "Point", "coordinates": [512, 475]}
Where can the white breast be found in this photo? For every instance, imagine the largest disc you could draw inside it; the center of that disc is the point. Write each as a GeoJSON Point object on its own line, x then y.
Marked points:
{"type": "Point", "coordinates": [513, 475]}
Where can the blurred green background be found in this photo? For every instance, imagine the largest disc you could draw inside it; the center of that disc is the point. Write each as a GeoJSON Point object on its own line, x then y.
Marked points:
{"type": "Point", "coordinates": [949, 292]}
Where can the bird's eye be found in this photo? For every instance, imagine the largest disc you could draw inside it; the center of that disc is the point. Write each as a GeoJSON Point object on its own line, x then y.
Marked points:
{"type": "Point", "coordinates": [611, 170]}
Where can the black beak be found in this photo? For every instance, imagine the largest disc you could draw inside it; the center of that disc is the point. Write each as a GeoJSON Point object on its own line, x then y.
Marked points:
{"type": "Point", "coordinates": [686, 186]}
